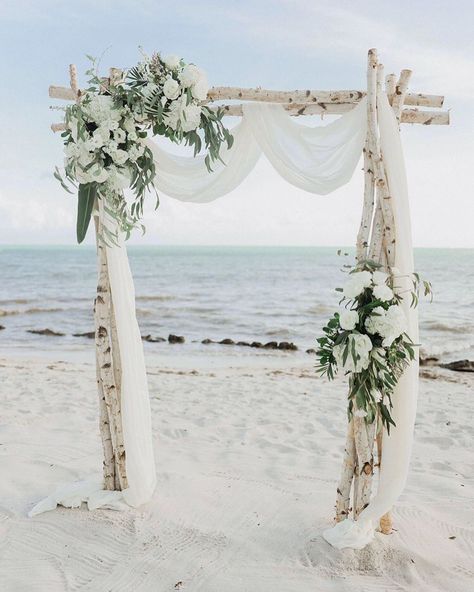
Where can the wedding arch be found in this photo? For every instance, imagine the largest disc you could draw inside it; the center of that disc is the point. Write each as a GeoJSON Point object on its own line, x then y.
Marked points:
{"type": "Point", "coordinates": [316, 159]}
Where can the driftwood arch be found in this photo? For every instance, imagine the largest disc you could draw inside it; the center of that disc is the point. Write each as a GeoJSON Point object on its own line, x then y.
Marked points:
{"type": "Point", "coordinates": [375, 240]}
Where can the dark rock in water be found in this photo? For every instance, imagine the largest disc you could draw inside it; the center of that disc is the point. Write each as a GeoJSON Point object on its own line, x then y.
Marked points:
{"type": "Point", "coordinates": [256, 344]}
{"type": "Point", "coordinates": [459, 366]}
{"type": "Point", "coordinates": [207, 341]}
{"type": "Point", "coordinates": [311, 351]}
{"type": "Point", "coordinates": [285, 345]}
{"type": "Point", "coordinates": [243, 343]}
{"type": "Point", "coordinates": [271, 345]}
{"type": "Point", "coordinates": [88, 334]}
{"type": "Point", "coordinates": [429, 361]}
{"type": "Point", "coordinates": [2, 327]}
{"type": "Point", "coordinates": [175, 339]}
{"type": "Point", "coordinates": [227, 342]}
{"type": "Point", "coordinates": [48, 332]}
{"type": "Point", "coordinates": [151, 339]}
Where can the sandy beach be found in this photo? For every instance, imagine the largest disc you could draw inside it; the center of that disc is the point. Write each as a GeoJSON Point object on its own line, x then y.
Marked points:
{"type": "Point", "coordinates": [248, 454]}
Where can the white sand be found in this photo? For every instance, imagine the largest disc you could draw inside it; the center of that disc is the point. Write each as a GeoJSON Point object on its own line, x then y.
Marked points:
{"type": "Point", "coordinates": [247, 461]}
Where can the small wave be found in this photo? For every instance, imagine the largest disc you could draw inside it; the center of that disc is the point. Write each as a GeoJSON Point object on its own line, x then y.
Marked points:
{"type": "Point", "coordinates": [154, 298]}
{"type": "Point", "coordinates": [445, 328]}
{"type": "Point", "coordinates": [33, 310]}
{"type": "Point", "coordinates": [447, 348]}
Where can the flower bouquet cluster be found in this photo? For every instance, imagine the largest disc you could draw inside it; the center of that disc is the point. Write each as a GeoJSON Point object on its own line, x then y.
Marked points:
{"type": "Point", "coordinates": [106, 131]}
{"type": "Point", "coordinates": [368, 340]}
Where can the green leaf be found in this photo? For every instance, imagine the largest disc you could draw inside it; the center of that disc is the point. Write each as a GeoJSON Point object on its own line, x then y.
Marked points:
{"type": "Point", "coordinates": [85, 203]}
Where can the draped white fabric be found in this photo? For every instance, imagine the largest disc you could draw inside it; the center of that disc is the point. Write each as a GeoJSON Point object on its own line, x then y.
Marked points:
{"type": "Point", "coordinates": [136, 417]}
{"type": "Point", "coordinates": [316, 159]}
{"type": "Point", "coordinates": [396, 446]}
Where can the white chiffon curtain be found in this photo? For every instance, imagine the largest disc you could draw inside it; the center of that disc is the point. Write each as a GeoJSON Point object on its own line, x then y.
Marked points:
{"type": "Point", "coordinates": [318, 160]}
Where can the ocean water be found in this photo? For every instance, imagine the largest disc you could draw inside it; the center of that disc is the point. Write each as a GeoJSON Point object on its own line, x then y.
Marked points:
{"type": "Point", "coordinates": [242, 293]}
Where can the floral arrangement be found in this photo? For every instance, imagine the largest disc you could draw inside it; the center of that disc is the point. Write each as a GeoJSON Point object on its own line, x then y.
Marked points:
{"type": "Point", "coordinates": [106, 131]}
{"type": "Point", "coordinates": [368, 340]}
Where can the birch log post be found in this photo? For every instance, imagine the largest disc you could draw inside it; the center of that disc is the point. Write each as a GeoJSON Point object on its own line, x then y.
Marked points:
{"type": "Point", "coordinates": [364, 432]}
{"type": "Point", "coordinates": [108, 373]}
{"type": "Point", "coordinates": [349, 470]}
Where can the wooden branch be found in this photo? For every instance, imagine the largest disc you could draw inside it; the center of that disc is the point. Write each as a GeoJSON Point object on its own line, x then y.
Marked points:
{"type": "Point", "coordinates": [368, 206]}
{"type": "Point", "coordinates": [386, 520]}
{"type": "Point", "coordinates": [364, 434]}
{"type": "Point", "coordinates": [425, 117]}
{"type": "Point", "coordinates": [73, 80]}
{"type": "Point", "coordinates": [120, 453]}
{"type": "Point", "coordinates": [400, 92]}
{"type": "Point", "coordinates": [102, 318]}
{"type": "Point", "coordinates": [61, 92]}
{"type": "Point", "coordinates": [349, 468]}
{"type": "Point", "coordinates": [104, 421]}
{"type": "Point", "coordinates": [390, 85]}
{"type": "Point", "coordinates": [296, 109]}
{"type": "Point", "coordinates": [285, 97]}
{"type": "Point", "coordinates": [422, 100]}
{"type": "Point", "coordinates": [220, 93]}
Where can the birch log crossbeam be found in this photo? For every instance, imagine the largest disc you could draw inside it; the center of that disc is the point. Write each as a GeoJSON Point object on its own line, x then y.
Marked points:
{"type": "Point", "coordinates": [296, 102]}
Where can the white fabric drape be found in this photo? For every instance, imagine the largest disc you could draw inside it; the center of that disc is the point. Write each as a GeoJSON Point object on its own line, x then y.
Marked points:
{"type": "Point", "coordinates": [396, 446]}
{"type": "Point", "coordinates": [136, 416]}
{"type": "Point", "coordinates": [316, 159]}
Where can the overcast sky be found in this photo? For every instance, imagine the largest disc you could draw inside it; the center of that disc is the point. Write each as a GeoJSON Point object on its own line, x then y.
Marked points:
{"type": "Point", "coordinates": [285, 44]}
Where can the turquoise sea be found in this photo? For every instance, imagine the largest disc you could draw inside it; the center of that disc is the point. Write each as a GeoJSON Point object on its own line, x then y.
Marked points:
{"type": "Point", "coordinates": [242, 293]}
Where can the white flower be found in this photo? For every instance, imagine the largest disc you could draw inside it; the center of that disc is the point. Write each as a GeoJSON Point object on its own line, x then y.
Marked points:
{"type": "Point", "coordinates": [129, 125]}
{"type": "Point", "coordinates": [171, 89]}
{"type": "Point", "coordinates": [200, 88]}
{"type": "Point", "coordinates": [135, 152]}
{"type": "Point", "coordinates": [362, 346]}
{"type": "Point", "coordinates": [173, 117]}
{"type": "Point", "coordinates": [348, 319]}
{"type": "Point", "coordinates": [171, 61]}
{"type": "Point", "coordinates": [101, 109]}
{"type": "Point", "coordinates": [389, 324]}
{"type": "Point", "coordinates": [360, 413]}
{"type": "Point", "coordinates": [357, 283]}
{"type": "Point", "coordinates": [98, 173]}
{"type": "Point", "coordinates": [111, 147]}
{"type": "Point", "coordinates": [383, 292]}
{"type": "Point", "coordinates": [119, 156]}
{"type": "Point", "coordinates": [191, 118]}
{"type": "Point", "coordinates": [190, 74]}
{"type": "Point", "coordinates": [120, 136]}
{"type": "Point", "coordinates": [118, 178]}
{"type": "Point", "coordinates": [379, 278]}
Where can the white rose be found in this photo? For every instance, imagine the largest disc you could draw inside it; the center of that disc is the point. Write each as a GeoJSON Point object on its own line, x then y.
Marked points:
{"type": "Point", "coordinates": [171, 89]}
{"type": "Point", "coordinates": [119, 156]}
{"type": "Point", "coordinates": [383, 292]}
{"type": "Point", "coordinates": [191, 118]}
{"type": "Point", "coordinates": [389, 324]}
{"type": "Point", "coordinates": [171, 61]}
{"type": "Point", "coordinates": [120, 136]}
{"type": "Point", "coordinates": [199, 89]}
{"type": "Point", "coordinates": [348, 319]}
{"type": "Point", "coordinates": [362, 345]}
{"type": "Point", "coordinates": [98, 173]}
{"type": "Point", "coordinates": [111, 147]}
{"type": "Point", "coordinates": [173, 117]}
{"type": "Point", "coordinates": [190, 74]}
{"type": "Point", "coordinates": [379, 278]}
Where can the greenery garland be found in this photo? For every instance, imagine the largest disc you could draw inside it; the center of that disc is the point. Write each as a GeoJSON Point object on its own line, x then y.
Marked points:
{"type": "Point", "coordinates": [106, 131]}
{"type": "Point", "coordinates": [368, 340]}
